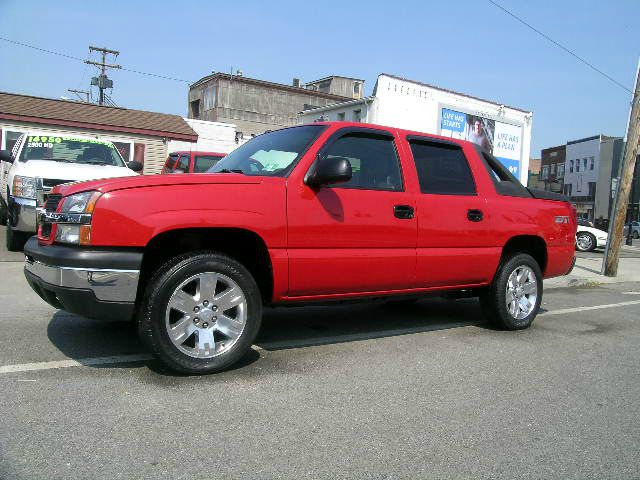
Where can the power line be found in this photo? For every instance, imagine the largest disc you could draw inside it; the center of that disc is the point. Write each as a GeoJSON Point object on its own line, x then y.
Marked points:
{"type": "Point", "coordinates": [570, 52]}
{"type": "Point", "coordinates": [71, 57]}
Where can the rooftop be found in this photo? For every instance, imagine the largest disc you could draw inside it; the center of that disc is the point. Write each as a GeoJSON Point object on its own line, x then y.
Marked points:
{"type": "Point", "coordinates": [264, 83]}
{"type": "Point", "coordinates": [26, 108]}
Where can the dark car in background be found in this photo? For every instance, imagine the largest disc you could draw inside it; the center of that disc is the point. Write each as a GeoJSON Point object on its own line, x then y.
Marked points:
{"type": "Point", "coordinates": [191, 162]}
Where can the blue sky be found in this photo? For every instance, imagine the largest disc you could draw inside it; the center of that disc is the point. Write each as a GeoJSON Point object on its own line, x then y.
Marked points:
{"type": "Point", "coordinates": [469, 46]}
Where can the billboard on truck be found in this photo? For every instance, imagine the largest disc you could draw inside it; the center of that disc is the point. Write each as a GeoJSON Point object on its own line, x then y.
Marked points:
{"type": "Point", "coordinates": [503, 140]}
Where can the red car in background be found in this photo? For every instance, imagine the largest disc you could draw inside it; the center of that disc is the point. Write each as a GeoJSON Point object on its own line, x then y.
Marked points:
{"type": "Point", "coordinates": [191, 162]}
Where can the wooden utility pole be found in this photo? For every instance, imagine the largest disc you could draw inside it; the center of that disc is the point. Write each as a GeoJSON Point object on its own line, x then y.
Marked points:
{"type": "Point", "coordinates": [102, 81]}
{"type": "Point", "coordinates": [616, 226]}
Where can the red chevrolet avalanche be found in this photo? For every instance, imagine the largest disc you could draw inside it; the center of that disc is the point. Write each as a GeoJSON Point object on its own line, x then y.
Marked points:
{"type": "Point", "coordinates": [315, 213]}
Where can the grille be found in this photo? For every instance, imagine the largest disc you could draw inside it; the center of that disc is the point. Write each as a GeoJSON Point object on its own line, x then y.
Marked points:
{"type": "Point", "coordinates": [52, 202]}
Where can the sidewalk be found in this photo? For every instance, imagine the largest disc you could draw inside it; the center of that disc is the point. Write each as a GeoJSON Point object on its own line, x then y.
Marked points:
{"type": "Point", "coordinates": [587, 272]}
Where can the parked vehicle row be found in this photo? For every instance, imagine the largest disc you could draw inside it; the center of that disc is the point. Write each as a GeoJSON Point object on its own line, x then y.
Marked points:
{"type": "Point", "coordinates": [315, 213]}
{"type": "Point", "coordinates": [40, 161]}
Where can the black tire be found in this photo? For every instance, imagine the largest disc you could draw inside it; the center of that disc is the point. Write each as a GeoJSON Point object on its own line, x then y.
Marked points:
{"type": "Point", "coordinates": [592, 242]}
{"type": "Point", "coordinates": [493, 300]}
{"type": "Point", "coordinates": [15, 240]}
{"type": "Point", "coordinates": [151, 318]}
{"type": "Point", "coordinates": [635, 235]}
{"type": "Point", "coordinates": [3, 212]}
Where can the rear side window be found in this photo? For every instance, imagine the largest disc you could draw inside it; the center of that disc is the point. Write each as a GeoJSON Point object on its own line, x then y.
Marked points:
{"type": "Point", "coordinates": [442, 168]}
{"type": "Point", "coordinates": [504, 181]}
{"type": "Point", "coordinates": [202, 163]}
{"type": "Point", "coordinates": [373, 158]}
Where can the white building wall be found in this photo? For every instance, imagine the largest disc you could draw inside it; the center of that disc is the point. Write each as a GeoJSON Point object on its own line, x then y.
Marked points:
{"type": "Point", "coordinates": [212, 137]}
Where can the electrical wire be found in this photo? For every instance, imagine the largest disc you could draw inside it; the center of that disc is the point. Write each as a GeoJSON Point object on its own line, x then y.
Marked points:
{"type": "Point", "coordinates": [71, 57]}
{"type": "Point", "coordinates": [570, 52]}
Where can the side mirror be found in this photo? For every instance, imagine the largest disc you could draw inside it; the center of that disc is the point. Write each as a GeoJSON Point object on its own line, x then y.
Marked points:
{"type": "Point", "coordinates": [328, 170]}
{"type": "Point", "coordinates": [5, 156]}
{"type": "Point", "coordinates": [135, 165]}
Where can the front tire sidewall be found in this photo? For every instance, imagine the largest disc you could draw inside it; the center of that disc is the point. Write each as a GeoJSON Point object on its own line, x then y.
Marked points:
{"type": "Point", "coordinates": [152, 327]}
{"type": "Point", "coordinates": [494, 301]}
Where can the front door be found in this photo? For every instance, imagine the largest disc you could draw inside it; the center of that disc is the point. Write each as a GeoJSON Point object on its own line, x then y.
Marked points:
{"type": "Point", "coordinates": [358, 236]}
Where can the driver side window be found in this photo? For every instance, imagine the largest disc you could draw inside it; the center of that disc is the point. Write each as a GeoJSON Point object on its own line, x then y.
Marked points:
{"type": "Point", "coordinates": [374, 161]}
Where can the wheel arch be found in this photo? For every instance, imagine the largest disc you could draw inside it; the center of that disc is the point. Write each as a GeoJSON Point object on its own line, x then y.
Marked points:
{"type": "Point", "coordinates": [245, 246]}
{"type": "Point", "coordinates": [530, 244]}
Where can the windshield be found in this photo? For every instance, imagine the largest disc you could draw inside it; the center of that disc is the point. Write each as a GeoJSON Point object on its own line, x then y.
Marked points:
{"type": "Point", "coordinates": [71, 150]}
{"type": "Point", "coordinates": [272, 154]}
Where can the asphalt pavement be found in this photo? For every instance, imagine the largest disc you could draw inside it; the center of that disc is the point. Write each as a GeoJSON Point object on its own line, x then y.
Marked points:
{"type": "Point", "coordinates": [369, 391]}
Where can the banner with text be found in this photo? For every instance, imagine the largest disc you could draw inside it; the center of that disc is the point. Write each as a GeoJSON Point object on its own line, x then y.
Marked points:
{"type": "Point", "coordinates": [503, 140]}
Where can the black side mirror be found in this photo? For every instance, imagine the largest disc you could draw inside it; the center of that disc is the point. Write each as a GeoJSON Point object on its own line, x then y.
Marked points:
{"type": "Point", "coordinates": [5, 156]}
{"type": "Point", "coordinates": [328, 170]}
{"type": "Point", "coordinates": [135, 165]}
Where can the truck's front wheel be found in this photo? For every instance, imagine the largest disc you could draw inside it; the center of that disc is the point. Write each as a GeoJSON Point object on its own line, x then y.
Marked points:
{"type": "Point", "coordinates": [514, 298]}
{"type": "Point", "coordinates": [200, 312]}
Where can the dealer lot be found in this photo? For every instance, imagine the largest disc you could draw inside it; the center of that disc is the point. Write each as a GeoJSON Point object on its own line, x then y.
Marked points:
{"type": "Point", "coordinates": [352, 391]}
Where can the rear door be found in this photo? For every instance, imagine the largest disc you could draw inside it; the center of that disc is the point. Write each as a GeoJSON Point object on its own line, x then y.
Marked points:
{"type": "Point", "coordinates": [358, 236]}
{"type": "Point", "coordinates": [454, 226]}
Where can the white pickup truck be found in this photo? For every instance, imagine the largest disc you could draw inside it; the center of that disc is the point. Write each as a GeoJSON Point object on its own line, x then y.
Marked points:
{"type": "Point", "coordinates": [38, 162]}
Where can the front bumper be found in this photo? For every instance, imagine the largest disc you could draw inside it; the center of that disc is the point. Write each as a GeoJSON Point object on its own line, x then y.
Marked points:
{"type": "Point", "coordinates": [22, 214]}
{"type": "Point", "coordinates": [95, 283]}
{"type": "Point", "coordinates": [601, 242]}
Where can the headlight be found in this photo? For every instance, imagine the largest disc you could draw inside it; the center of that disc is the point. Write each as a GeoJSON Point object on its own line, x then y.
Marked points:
{"type": "Point", "coordinates": [74, 219]}
{"type": "Point", "coordinates": [83, 202]}
{"type": "Point", "coordinates": [24, 187]}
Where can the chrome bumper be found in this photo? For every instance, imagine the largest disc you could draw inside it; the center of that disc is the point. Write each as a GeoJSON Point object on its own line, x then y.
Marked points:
{"type": "Point", "coordinates": [107, 285]}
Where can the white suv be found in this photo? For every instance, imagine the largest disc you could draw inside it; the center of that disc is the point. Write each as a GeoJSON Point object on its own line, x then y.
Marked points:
{"type": "Point", "coordinates": [38, 162]}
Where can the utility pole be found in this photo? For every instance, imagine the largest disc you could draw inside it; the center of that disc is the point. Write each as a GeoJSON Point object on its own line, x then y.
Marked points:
{"type": "Point", "coordinates": [102, 81]}
{"type": "Point", "coordinates": [81, 92]}
{"type": "Point", "coordinates": [616, 227]}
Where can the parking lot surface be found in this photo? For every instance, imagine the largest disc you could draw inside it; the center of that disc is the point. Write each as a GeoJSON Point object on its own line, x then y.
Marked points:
{"type": "Point", "coordinates": [354, 391]}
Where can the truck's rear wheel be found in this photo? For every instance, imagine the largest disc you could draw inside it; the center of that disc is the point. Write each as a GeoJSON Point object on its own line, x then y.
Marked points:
{"type": "Point", "coordinates": [200, 312]}
{"type": "Point", "coordinates": [513, 300]}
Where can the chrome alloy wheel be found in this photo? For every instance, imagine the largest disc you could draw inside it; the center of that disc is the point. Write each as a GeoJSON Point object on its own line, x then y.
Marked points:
{"type": "Point", "coordinates": [206, 315]}
{"type": "Point", "coordinates": [584, 241]}
{"type": "Point", "coordinates": [522, 292]}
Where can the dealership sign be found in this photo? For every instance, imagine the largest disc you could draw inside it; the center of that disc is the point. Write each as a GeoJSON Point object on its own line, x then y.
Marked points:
{"type": "Point", "coordinates": [503, 140]}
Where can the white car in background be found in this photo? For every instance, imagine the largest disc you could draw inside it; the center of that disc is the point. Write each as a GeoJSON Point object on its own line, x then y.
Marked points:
{"type": "Point", "coordinates": [588, 238]}
{"type": "Point", "coordinates": [38, 162]}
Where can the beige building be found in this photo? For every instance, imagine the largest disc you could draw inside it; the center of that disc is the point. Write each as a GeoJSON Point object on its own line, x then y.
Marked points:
{"type": "Point", "coordinates": [137, 134]}
{"type": "Point", "coordinates": [256, 106]}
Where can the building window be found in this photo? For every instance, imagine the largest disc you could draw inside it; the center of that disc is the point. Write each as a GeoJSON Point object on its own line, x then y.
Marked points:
{"type": "Point", "coordinates": [592, 164]}
{"type": "Point", "coordinates": [195, 109]}
{"type": "Point", "coordinates": [592, 189]}
{"type": "Point", "coordinates": [11, 138]}
{"type": "Point", "coordinates": [545, 172]}
{"type": "Point", "coordinates": [210, 97]}
{"type": "Point", "coordinates": [341, 117]}
{"type": "Point", "coordinates": [554, 167]}
{"type": "Point", "coordinates": [357, 115]}
{"type": "Point", "coordinates": [577, 165]}
{"type": "Point", "coordinates": [125, 150]}
{"type": "Point", "coordinates": [571, 166]}
{"type": "Point", "coordinates": [356, 88]}
{"type": "Point", "coordinates": [561, 170]}
{"type": "Point", "coordinates": [585, 164]}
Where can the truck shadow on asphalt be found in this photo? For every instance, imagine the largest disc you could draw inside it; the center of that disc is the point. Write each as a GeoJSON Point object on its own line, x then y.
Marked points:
{"type": "Point", "coordinates": [282, 328]}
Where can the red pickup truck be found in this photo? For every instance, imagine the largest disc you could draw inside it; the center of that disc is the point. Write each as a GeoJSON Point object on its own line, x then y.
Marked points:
{"type": "Point", "coordinates": [315, 213]}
